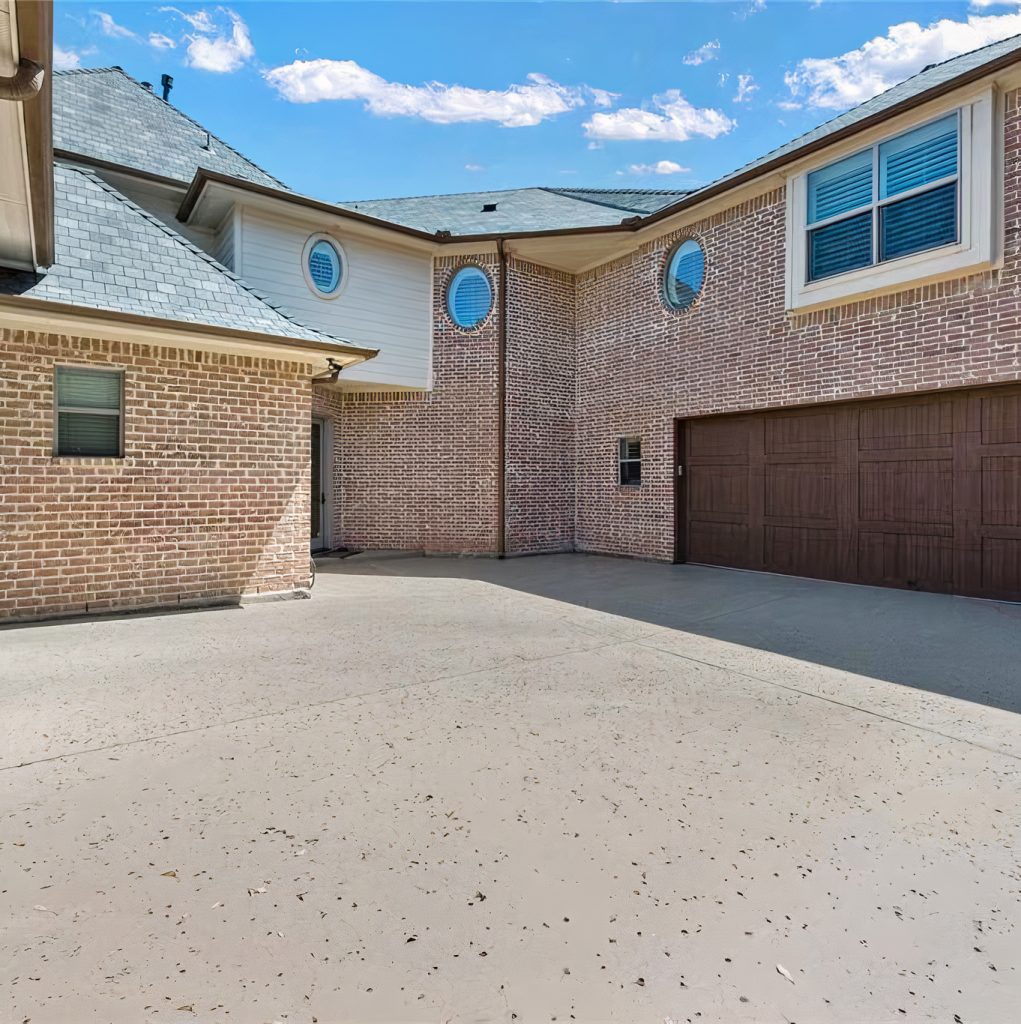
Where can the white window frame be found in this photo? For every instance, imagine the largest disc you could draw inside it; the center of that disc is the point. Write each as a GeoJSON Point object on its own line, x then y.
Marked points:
{"type": "Point", "coordinates": [87, 410]}
{"type": "Point", "coordinates": [310, 244]}
{"type": "Point", "coordinates": [622, 461]}
{"type": "Point", "coordinates": [979, 200]}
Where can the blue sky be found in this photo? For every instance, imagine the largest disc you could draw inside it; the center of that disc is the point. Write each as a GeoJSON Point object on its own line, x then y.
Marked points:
{"type": "Point", "coordinates": [362, 100]}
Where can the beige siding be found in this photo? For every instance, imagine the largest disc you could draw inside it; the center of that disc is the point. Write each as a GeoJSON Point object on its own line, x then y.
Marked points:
{"type": "Point", "coordinates": [385, 303]}
{"type": "Point", "coordinates": [223, 243]}
{"type": "Point", "coordinates": [163, 202]}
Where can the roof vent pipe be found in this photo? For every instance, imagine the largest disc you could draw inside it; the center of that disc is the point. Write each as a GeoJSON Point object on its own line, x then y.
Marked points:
{"type": "Point", "coordinates": [167, 82]}
{"type": "Point", "coordinates": [24, 83]}
{"type": "Point", "coordinates": [489, 207]}
{"type": "Point", "coordinates": [147, 85]}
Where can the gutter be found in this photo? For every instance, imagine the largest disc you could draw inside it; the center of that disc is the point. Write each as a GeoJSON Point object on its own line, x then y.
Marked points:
{"type": "Point", "coordinates": [25, 83]}
{"type": "Point", "coordinates": [35, 37]}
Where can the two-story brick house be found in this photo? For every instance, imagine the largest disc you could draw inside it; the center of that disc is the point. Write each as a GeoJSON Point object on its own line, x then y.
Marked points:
{"type": "Point", "coordinates": [811, 366]}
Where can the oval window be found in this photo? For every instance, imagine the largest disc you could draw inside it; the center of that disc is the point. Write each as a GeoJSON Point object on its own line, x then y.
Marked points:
{"type": "Point", "coordinates": [685, 274]}
{"type": "Point", "coordinates": [469, 297]}
{"type": "Point", "coordinates": [323, 266]}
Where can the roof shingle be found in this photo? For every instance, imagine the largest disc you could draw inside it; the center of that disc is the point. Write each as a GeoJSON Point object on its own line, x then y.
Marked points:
{"type": "Point", "coordinates": [105, 114]}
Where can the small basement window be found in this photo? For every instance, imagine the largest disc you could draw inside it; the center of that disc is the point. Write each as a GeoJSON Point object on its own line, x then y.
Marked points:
{"type": "Point", "coordinates": [89, 411]}
{"type": "Point", "coordinates": [629, 461]}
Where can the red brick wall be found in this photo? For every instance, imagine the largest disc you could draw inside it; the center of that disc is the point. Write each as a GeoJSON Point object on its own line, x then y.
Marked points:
{"type": "Point", "coordinates": [540, 410]}
{"type": "Point", "coordinates": [209, 502]}
{"type": "Point", "coordinates": [641, 365]}
{"type": "Point", "coordinates": [419, 471]}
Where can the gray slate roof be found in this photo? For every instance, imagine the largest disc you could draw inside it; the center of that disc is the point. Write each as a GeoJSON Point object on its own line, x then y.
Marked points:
{"type": "Point", "coordinates": [105, 114]}
{"type": "Point", "coordinates": [113, 256]}
{"type": "Point", "coordinates": [517, 209]}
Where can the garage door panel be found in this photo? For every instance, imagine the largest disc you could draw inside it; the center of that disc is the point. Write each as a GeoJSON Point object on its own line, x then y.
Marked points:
{"type": "Point", "coordinates": [918, 491]}
{"type": "Point", "coordinates": [917, 561]}
{"type": "Point", "coordinates": [709, 439]}
{"type": "Point", "coordinates": [801, 433]}
{"type": "Point", "coordinates": [721, 543]}
{"type": "Point", "coordinates": [926, 424]}
{"type": "Point", "coordinates": [802, 551]}
{"type": "Point", "coordinates": [1001, 418]}
{"type": "Point", "coordinates": [1001, 566]}
{"type": "Point", "coordinates": [1001, 491]}
{"type": "Point", "coordinates": [801, 490]}
{"type": "Point", "coordinates": [716, 489]}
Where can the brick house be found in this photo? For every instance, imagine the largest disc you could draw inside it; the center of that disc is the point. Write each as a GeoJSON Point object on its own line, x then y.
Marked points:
{"type": "Point", "coordinates": [811, 366]}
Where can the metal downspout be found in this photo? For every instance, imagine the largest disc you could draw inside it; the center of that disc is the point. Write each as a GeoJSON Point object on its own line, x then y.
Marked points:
{"type": "Point", "coordinates": [501, 397]}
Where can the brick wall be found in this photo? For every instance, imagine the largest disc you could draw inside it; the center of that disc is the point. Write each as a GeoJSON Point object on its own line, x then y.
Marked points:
{"type": "Point", "coordinates": [419, 471]}
{"type": "Point", "coordinates": [209, 502]}
{"type": "Point", "coordinates": [641, 365]}
{"type": "Point", "coordinates": [540, 410]}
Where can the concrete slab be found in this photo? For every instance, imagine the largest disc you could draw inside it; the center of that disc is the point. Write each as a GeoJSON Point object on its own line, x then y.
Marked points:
{"type": "Point", "coordinates": [452, 791]}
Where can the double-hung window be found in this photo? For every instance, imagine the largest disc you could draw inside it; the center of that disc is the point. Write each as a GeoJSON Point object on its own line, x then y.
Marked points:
{"type": "Point", "coordinates": [629, 461]}
{"type": "Point", "coordinates": [89, 411]}
{"type": "Point", "coordinates": [919, 203]}
{"type": "Point", "coordinates": [897, 198]}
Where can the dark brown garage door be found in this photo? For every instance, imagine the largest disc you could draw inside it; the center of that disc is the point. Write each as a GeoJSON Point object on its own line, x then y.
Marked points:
{"type": "Point", "coordinates": [921, 492]}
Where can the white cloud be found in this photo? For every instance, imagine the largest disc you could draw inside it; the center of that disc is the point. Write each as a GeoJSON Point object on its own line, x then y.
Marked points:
{"type": "Point", "coordinates": [111, 28]}
{"type": "Point", "coordinates": [659, 167]}
{"type": "Point", "coordinates": [721, 78]}
{"type": "Point", "coordinates": [65, 60]}
{"type": "Point", "coordinates": [837, 83]}
{"type": "Point", "coordinates": [200, 21]}
{"type": "Point", "coordinates": [745, 88]}
{"type": "Point", "coordinates": [514, 107]}
{"type": "Point", "coordinates": [753, 8]}
{"type": "Point", "coordinates": [674, 120]}
{"type": "Point", "coordinates": [220, 49]}
{"type": "Point", "coordinates": [706, 52]}
{"type": "Point", "coordinates": [474, 167]}
{"type": "Point", "coordinates": [160, 41]}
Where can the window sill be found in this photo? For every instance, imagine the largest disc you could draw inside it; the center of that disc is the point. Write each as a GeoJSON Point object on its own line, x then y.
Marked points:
{"type": "Point", "coordinates": [897, 275]}
{"type": "Point", "coordinates": [88, 460]}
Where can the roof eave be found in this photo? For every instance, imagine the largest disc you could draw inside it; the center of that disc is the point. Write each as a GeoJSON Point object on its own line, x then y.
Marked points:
{"type": "Point", "coordinates": [91, 316]}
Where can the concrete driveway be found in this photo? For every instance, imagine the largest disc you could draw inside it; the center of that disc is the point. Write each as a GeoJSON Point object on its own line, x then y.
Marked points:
{"type": "Point", "coordinates": [550, 788]}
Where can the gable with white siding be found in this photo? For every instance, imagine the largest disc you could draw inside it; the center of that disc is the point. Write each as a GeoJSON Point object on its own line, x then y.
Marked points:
{"type": "Point", "coordinates": [385, 304]}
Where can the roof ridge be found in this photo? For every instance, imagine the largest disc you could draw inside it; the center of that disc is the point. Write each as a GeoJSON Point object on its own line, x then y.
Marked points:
{"type": "Point", "coordinates": [197, 251]}
{"type": "Point", "coordinates": [638, 191]}
{"type": "Point", "coordinates": [444, 195]}
{"type": "Point", "coordinates": [177, 110]}
{"type": "Point", "coordinates": [591, 202]}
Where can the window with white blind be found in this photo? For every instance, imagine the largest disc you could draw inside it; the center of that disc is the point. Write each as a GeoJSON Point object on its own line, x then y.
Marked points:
{"type": "Point", "coordinates": [885, 202]}
{"type": "Point", "coordinates": [629, 461]}
{"type": "Point", "coordinates": [913, 204]}
{"type": "Point", "coordinates": [89, 409]}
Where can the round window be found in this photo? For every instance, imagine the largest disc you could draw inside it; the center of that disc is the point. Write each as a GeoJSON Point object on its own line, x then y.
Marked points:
{"type": "Point", "coordinates": [685, 274]}
{"type": "Point", "coordinates": [323, 263]}
{"type": "Point", "coordinates": [469, 297]}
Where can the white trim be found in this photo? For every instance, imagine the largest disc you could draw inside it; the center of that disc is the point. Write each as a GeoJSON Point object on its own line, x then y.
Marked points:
{"type": "Point", "coordinates": [980, 213]}
{"type": "Point", "coordinates": [311, 242]}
